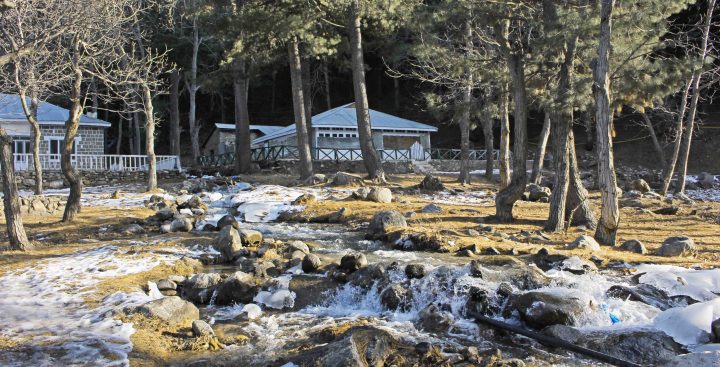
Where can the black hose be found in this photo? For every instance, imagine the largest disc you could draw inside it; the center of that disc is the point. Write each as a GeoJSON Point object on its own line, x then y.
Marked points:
{"type": "Point", "coordinates": [553, 341]}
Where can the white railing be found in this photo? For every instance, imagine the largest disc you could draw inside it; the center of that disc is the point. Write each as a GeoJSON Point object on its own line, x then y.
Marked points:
{"type": "Point", "coordinates": [100, 162]}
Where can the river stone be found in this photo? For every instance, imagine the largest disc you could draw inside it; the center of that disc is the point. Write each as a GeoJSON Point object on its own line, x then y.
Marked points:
{"type": "Point", "coordinates": [298, 246]}
{"type": "Point", "coordinates": [677, 246]}
{"type": "Point", "coordinates": [645, 293]}
{"type": "Point", "coordinates": [201, 328]}
{"type": "Point", "coordinates": [476, 269]}
{"type": "Point", "coordinates": [366, 346]}
{"type": "Point", "coordinates": [586, 243]}
{"type": "Point", "coordinates": [639, 185]}
{"type": "Point", "coordinates": [311, 263]}
{"type": "Point", "coordinates": [634, 246]}
{"type": "Point", "coordinates": [346, 179]}
{"type": "Point", "coordinates": [166, 285]}
{"type": "Point", "coordinates": [250, 237]}
{"type": "Point", "coordinates": [227, 220]}
{"type": "Point", "coordinates": [195, 202]}
{"type": "Point", "coordinates": [396, 297]}
{"type": "Point", "coordinates": [478, 301]}
{"type": "Point", "coordinates": [164, 214]}
{"type": "Point", "coordinates": [433, 319]}
{"type": "Point", "coordinates": [361, 193]}
{"type": "Point", "coordinates": [541, 308]}
{"type": "Point", "coordinates": [182, 224]}
{"type": "Point", "coordinates": [200, 288]}
{"type": "Point", "coordinates": [237, 288]}
{"type": "Point", "coordinates": [431, 183]}
{"type": "Point", "coordinates": [415, 271]}
{"type": "Point", "coordinates": [380, 195]}
{"type": "Point", "coordinates": [369, 275]}
{"type": "Point", "coordinates": [228, 243]}
{"type": "Point", "coordinates": [171, 309]}
{"type": "Point", "coordinates": [431, 208]}
{"type": "Point", "coordinates": [384, 222]}
{"type": "Point", "coordinates": [697, 359]}
{"type": "Point", "coordinates": [353, 262]}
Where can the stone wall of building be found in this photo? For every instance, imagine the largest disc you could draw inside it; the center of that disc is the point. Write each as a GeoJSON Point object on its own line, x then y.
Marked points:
{"type": "Point", "coordinates": [55, 180]}
{"type": "Point", "coordinates": [91, 138]}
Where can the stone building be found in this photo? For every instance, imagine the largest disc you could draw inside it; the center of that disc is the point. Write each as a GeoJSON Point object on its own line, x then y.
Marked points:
{"type": "Point", "coordinates": [90, 139]}
{"type": "Point", "coordinates": [222, 139]}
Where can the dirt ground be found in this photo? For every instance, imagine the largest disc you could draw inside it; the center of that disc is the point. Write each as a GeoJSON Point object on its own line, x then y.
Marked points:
{"type": "Point", "coordinates": [160, 344]}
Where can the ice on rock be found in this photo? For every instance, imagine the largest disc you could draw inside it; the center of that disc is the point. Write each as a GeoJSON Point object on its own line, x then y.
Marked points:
{"type": "Point", "coordinates": [278, 300]}
{"type": "Point", "coordinates": [153, 291]}
{"type": "Point", "coordinates": [689, 325]}
{"type": "Point", "coordinates": [701, 285]}
{"type": "Point", "coordinates": [252, 310]}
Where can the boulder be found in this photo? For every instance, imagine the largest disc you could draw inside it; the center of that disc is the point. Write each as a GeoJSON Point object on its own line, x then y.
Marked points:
{"type": "Point", "coordinates": [250, 237]}
{"type": "Point", "coordinates": [644, 293]}
{"type": "Point", "coordinates": [668, 210]}
{"type": "Point", "coordinates": [346, 179]}
{"type": "Point", "coordinates": [380, 195]}
{"type": "Point", "coordinates": [639, 185]}
{"type": "Point", "coordinates": [166, 285]}
{"type": "Point", "coordinates": [705, 180]}
{"type": "Point", "coordinates": [476, 269]}
{"type": "Point", "coordinates": [201, 328]}
{"type": "Point", "coordinates": [227, 220]}
{"type": "Point", "coordinates": [361, 193]}
{"type": "Point", "coordinates": [54, 184]}
{"type": "Point", "coordinates": [396, 297]}
{"type": "Point", "coordinates": [677, 246]}
{"type": "Point", "coordinates": [353, 262]}
{"type": "Point", "coordinates": [311, 263]}
{"type": "Point", "coordinates": [181, 224]}
{"type": "Point", "coordinates": [586, 243]}
{"type": "Point", "coordinates": [367, 346]}
{"type": "Point", "coordinates": [431, 208]}
{"type": "Point", "coordinates": [200, 287]}
{"type": "Point", "coordinates": [415, 271]}
{"type": "Point", "coordinates": [478, 301]}
{"type": "Point", "coordinates": [632, 194]}
{"type": "Point", "coordinates": [544, 308]}
{"type": "Point", "coordinates": [385, 222]}
{"type": "Point", "coordinates": [634, 246]}
{"type": "Point", "coordinates": [194, 202]}
{"type": "Point", "coordinates": [537, 192]}
{"type": "Point", "coordinates": [237, 288]}
{"type": "Point", "coordinates": [228, 243]}
{"type": "Point", "coordinates": [431, 183]}
{"type": "Point", "coordinates": [131, 229]}
{"type": "Point", "coordinates": [172, 309]}
{"type": "Point", "coordinates": [697, 359]}
{"type": "Point", "coordinates": [369, 275]}
{"type": "Point", "coordinates": [433, 319]}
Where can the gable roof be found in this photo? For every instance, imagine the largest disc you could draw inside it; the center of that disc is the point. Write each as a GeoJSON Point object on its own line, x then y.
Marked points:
{"type": "Point", "coordinates": [265, 129]}
{"type": "Point", "coordinates": [48, 113]}
{"type": "Point", "coordinates": [345, 117]}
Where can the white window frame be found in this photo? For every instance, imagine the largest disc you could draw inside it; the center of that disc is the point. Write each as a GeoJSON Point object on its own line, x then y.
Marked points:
{"type": "Point", "coordinates": [56, 157]}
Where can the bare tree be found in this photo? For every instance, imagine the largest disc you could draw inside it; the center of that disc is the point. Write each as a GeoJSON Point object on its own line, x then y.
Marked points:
{"type": "Point", "coordinates": [13, 219]}
{"type": "Point", "coordinates": [670, 165]}
{"type": "Point", "coordinates": [607, 227]}
{"type": "Point", "coordinates": [175, 112]}
{"type": "Point", "coordinates": [504, 164]}
{"type": "Point", "coordinates": [241, 80]}
{"type": "Point", "coordinates": [192, 86]}
{"type": "Point", "coordinates": [538, 160]}
{"type": "Point", "coordinates": [303, 143]}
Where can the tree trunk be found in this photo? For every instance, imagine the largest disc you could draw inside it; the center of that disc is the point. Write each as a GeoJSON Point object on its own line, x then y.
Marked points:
{"type": "Point", "coordinates": [607, 227]}
{"type": "Point", "coordinates": [137, 139]}
{"type": "Point", "coordinates": [506, 198]}
{"type": "Point", "coordinates": [192, 88]}
{"type": "Point", "coordinates": [670, 166]}
{"type": "Point", "coordinates": [367, 147]}
{"type": "Point", "coordinates": [696, 90]}
{"type": "Point", "coordinates": [13, 219]}
{"type": "Point", "coordinates": [326, 76]}
{"type": "Point", "coordinates": [538, 161]}
{"type": "Point", "coordinates": [242, 118]}
{"type": "Point", "coordinates": [31, 115]}
{"type": "Point", "coordinates": [577, 205]}
{"type": "Point", "coordinates": [150, 138]}
{"type": "Point", "coordinates": [307, 101]}
{"type": "Point", "coordinates": [120, 133]}
{"type": "Point", "coordinates": [72, 176]}
{"type": "Point", "coordinates": [487, 125]}
{"type": "Point", "coordinates": [505, 175]}
{"type": "Point", "coordinates": [656, 143]}
{"type": "Point", "coordinates": [303, 142]}
{"type": "Point", "coordinates": [464, 122]}
{"type": "Point", "coordinates": [175, 112]}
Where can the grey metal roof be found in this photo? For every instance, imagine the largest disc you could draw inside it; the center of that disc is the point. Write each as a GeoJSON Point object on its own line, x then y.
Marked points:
{"type": "Point", "coordinates": [265, 129]}
{"type": "Point", "coordinates": [346, 117]}
{"type": "Point", "coordinates": [48, 113]}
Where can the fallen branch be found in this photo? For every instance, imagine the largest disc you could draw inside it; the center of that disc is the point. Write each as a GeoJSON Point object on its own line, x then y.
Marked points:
{"type": "Point", "coordinates": [552, 341]}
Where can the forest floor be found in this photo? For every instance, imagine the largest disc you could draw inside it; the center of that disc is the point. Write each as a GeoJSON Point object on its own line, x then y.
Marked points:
{"type": "Point", "coordinates": [464, 207]}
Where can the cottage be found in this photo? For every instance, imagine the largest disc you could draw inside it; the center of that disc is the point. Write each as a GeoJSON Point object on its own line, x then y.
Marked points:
{"type": "Point", "coordinates": [335, 132]}
{"type": "Point", "coordinates": [222, 139]}
{"type": "Point", "coordinates": [90, 139]}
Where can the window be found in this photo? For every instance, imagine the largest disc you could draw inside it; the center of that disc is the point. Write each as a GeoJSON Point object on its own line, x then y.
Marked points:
{"type": "Point", "coordinates": [21, 146]}
{"type": "Point", "coordinates": [56, 146]}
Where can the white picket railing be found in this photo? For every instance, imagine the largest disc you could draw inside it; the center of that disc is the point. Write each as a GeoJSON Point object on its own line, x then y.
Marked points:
{"type": "Point", "coordinates": [100, 162]}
